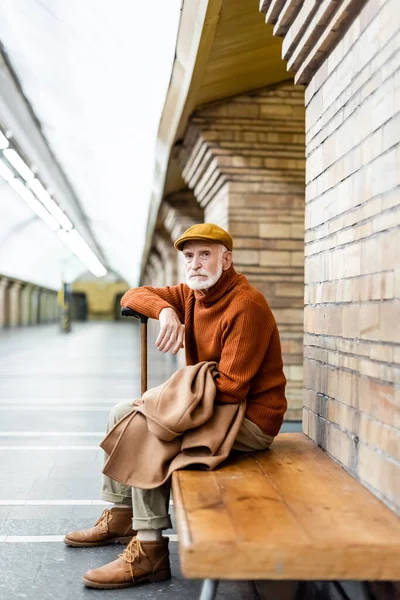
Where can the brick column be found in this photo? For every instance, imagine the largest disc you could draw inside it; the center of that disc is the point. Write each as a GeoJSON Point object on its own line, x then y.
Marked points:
{"type": "Point", "coordinates": [244, 160]}
{"type": "Point", "coordinates": [165, 249]}
{"type": "Point", "coordinates": [15, 303]}
{"type": "Point", "coordinates": [146, 278]}
{"type": "Point", "coordinates": [156, 272]}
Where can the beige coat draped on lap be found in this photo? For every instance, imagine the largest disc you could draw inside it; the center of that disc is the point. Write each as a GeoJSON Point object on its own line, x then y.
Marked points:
{"type": "Point", "coordinates": [175, 426]}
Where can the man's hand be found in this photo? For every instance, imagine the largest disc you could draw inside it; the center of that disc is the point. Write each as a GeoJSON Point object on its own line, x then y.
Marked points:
{"type": "Point", "coordinates": [172, 331]}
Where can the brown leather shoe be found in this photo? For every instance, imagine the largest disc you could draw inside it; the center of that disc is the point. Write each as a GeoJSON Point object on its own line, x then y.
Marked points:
{"type": "Point", "coordinates": [114, 525]}
{"type": "Point", "coordinates": [141, 562]}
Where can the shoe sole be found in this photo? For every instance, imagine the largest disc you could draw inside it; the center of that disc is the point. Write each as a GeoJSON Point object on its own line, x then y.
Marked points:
{"type": "Point", "coordinates": [120, 540]}
{"type": "Point", "coordinates": [159, 576]}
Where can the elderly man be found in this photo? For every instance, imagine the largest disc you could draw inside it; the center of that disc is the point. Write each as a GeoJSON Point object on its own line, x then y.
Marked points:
{"type": "Point", "coordinates": [217, 316]}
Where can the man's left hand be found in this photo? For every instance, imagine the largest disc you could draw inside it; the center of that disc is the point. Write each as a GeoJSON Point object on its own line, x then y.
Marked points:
{"type": "Point", "coordinates": [172, 332]}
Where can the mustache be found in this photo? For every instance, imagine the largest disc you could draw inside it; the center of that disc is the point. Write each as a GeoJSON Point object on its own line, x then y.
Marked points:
{"type": "Point", "coordinates": [194, 273]}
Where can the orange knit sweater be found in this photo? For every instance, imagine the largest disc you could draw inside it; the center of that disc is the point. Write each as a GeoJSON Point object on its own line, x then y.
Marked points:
{"type": "Point", "coordinates": [233, 325]}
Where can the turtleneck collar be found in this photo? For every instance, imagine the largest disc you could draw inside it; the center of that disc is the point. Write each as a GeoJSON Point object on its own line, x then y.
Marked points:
{"type": "Point", "coordinates": [214, 293]}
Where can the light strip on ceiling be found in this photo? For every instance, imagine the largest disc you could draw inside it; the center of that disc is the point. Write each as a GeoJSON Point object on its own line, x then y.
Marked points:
{"type": "Point", "coordinates": [34, 204]}
{"type": "Point", "coordinates": [5, 172]}
{"type": "Point", "coordinates": [45, 207]}
{"type": "Point", "coordinates": [4, 143]}
{"type": "Point", "coordinates": [19, 165]}
{"type": "Point", "coordinates": [50, 204]}
{"type": "Point", "coordinates": [79, 247]}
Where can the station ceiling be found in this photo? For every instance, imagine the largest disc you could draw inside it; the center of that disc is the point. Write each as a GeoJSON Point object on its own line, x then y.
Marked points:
{"type": "Point", "coordinates": [95, 77]}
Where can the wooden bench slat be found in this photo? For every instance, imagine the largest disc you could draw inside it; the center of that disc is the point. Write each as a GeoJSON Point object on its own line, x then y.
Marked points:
{"type": "Point", "coordinates": [255, 509]}
{"type": "Point", "coordinates": [342, 528]}
{"type": "Point", "coordinates": [287, 513]}
{"type": "Point", "coordinates": [301, 472]}
{"type": "Point", "coordinates": [202, 504]}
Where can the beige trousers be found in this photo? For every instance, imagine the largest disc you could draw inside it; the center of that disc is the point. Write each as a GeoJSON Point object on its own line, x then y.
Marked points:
{"type": "Point", "coordinates": [151, 507]}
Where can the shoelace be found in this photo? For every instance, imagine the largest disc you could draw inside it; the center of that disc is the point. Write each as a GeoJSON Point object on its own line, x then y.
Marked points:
{"type": "Point", "coordinates": [104, 518]}
{"type": "Point", "coordinates": [133, 550]}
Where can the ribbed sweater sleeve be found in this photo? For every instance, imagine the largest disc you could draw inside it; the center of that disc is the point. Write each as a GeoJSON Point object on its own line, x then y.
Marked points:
{"type": "Point", "coordinates": [246, 334]}
{"type": "Point", "coordinates": [150, 301]}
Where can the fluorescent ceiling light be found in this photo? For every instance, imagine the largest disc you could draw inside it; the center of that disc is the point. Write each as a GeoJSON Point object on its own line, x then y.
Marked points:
{"type": "Point", "coordinates": [22, 190]}
{"type": "Point", "coordinates": [5, 172]}
{"type": "Point", "coordinates": [14, 158]}
{"type": "Point", "coordinates": [34, 204]}
{"type": "Point", "coordinates": [50, 204]}
{"type": "Point", "coordinates": [46, 208]}
{"type": "Point", "coordinates": [3, 141]}
{"type": "Point", "coordinates": [79, 247]}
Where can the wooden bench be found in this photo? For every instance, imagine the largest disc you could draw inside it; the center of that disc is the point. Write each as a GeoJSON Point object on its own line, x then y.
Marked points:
{"type": "Point", "coordinates": [288, 513]}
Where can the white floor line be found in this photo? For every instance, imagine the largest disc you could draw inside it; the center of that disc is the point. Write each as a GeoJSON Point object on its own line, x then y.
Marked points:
{"type": "Point", "coordinates": [29, 539]}
{"type": "Point", "coordinates": [50, 448]}
{"type": "Point", "coordinates": [67, 503]}
{"type": "Point", "coordinates": [54, 503]}
{"type": "Point", "coordinates": [60, 401]}
{"type": "Point", "coordinates": [51, 433]}
{"type": "Point", "coordinates": [58, 503]}
{"type": "Point", "coordinates": [19, 539]}
{"type": "Point", "coordinates": [51, 408]}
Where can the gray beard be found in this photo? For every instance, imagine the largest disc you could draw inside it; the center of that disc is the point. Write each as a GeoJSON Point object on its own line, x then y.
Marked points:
{"type": "Point", "coordinates": [211, 280]}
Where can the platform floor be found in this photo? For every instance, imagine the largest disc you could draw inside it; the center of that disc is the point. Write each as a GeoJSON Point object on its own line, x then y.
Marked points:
{"type": "Point", "coordinates": [55, 393]}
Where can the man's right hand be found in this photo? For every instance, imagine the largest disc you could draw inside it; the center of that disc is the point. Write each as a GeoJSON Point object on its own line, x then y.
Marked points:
{"type": "Point", "coordinates": [172, 332]}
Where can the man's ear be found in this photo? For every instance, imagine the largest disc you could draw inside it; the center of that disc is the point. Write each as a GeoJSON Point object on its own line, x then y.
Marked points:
{"type": "Point", "coordinates": [227, 260]}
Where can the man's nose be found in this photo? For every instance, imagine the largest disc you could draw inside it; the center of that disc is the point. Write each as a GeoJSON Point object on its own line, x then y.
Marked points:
{"type": "Point", "coordinates": [196, 263]}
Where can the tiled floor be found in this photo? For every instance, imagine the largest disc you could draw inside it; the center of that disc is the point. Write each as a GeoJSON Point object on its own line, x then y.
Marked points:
{"type": "Point", "coordinates": [55, 393]}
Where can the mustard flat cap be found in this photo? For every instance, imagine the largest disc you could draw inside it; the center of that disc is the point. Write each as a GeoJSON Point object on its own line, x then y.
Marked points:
{"type": "Point", "coordinates": [207, 232]}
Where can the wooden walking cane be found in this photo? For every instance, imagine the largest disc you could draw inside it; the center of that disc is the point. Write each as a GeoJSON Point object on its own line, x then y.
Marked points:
{"type": "Point", "coordinates": [128, 312]}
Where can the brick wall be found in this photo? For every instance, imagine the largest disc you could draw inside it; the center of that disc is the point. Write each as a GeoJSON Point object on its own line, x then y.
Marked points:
{"type": "Point", "coordinates": [352, 266]}
{"type": "Point", "coordinates": [244, 160]}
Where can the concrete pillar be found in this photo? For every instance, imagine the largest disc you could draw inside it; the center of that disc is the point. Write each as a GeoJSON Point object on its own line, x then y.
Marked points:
{"type": "Point", "coordinates": [49, 308]}
{"type": "Point", "coordinates": [244, 160]}
{"type": "Point", "coordinates": [34, 309]}
{"type": "Point", "coordinates": [54, 307]}
{"type": "Point", "coordinates": [43, 306]}
{"type": "Point", "coordinates": [4, 302]}
{"type": "Point", "coordinates": [26, 304]}
{"type": "Point", "coordinates": [15, 303]}
{"type": "Point", "coordinates": [50, 305]}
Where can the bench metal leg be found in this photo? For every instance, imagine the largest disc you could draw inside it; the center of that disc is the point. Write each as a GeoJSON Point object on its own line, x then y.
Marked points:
{"type": "Point", "coordinates": [209, 589]}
